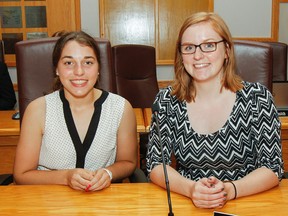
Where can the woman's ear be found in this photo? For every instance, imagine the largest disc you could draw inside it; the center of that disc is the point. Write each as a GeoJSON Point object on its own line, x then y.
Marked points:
{"type": "Point", "coordinates": [227, 53]}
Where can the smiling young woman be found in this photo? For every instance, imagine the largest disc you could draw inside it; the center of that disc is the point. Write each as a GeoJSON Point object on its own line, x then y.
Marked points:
{"type": "Point", "coordinates": [77, 135]}
{"type": "Point", "coordinates": [224, 132]}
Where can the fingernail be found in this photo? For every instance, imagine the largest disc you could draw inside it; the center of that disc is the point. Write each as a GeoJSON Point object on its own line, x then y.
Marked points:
{"type": "Point", "coordinates": [222, 189]}
{"type": "Point", "coordinates": [225, 194]}
{"type": "Point", "coordinates": [87, 188]}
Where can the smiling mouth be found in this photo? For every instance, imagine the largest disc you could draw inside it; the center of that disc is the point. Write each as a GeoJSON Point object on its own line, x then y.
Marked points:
{"type": "Point", "coordinates": [78, 82]}
{"type": "Point", "coordinates": [201, 65]}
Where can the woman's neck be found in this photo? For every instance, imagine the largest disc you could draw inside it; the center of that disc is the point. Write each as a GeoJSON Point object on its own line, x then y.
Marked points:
{"type": "Point", "coordinates": [208, 90]}
{"type": "Point", "coordinates": [83, 102]}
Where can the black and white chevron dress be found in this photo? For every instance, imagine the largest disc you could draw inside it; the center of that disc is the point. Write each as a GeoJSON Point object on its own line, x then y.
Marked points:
{"type": "Point", "coordinates": [249, 139]}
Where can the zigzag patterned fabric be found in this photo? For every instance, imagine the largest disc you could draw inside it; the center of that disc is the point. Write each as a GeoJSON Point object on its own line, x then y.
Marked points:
{"type": "Point", "coordinates": [249, 139]}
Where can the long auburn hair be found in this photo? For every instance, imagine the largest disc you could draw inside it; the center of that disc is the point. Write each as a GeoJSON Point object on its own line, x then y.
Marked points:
{"type": "Point", "coordinates": [183, 86]}
{"type": "Point", "coordinates": [78, 36]}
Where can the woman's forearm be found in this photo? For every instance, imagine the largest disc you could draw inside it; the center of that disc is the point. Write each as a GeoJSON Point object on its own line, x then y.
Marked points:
{"type": "Point", "coordinates": [42, 177]}
{"type": "Point", "coordinates": [122, 169]}
{"type": "Point", "coordinates": [177, 183]}
{"type": "Point", "coordinates": [259, 180]}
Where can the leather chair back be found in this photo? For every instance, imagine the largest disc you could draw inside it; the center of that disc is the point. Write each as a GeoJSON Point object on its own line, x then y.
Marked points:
{"type": "Point", "coordinates": [35, 69]}
{"type": "Point", "coordinates": [279, 61]}
{"type": "Point", "coordinates": [254, 61]}
{"type": "Point", "coordinates": [2, 52]}
{"type": "Point", "coordinates": [135, 72]}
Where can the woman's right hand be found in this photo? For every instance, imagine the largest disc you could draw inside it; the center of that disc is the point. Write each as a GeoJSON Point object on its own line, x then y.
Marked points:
{"type": "Point", "coordinates": [79, 179]}
{"type": "Point", "coordinates": [208, 195]}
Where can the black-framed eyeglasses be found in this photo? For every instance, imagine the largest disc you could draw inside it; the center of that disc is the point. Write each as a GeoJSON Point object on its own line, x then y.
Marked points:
{"type": "Point", "coordinates": [204, 47]}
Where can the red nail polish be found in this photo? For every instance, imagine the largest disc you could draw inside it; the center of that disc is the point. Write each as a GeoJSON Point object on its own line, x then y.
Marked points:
{"type": "Point", "coordinates": [87, 188]}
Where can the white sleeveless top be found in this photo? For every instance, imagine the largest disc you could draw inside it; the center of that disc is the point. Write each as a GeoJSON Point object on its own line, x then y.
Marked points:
{"type": "Point", "coordinates": [57, 149]}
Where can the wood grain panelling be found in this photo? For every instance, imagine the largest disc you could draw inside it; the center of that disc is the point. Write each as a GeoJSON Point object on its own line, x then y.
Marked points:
{"type": "Point", "coordinates": [128, 21]}
{"type": "Point", "coordinates": [63, 15]}
{"type": "Point", "coordinates": [60, 15]}
{"type": "Point", "coordinates": [171, 16]}
{"type": "Point", "coordinates": [148, 22]}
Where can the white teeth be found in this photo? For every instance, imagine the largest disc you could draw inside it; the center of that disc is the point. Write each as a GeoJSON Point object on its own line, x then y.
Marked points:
{"type": "Point", "coordinates": [200, 65]}
{"type": "Point", "coordinates": [78, 82]}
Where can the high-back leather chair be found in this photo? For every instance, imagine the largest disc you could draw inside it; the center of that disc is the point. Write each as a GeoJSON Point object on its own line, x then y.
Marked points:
{"type": "Point", "coordinates": [135, 73]}
{"type": "Point", "coordinates": [35, 69]}
{"type": "Point", "coordinates": [254, 61]}
{"type": "Point", "coordinates": [279, 60]}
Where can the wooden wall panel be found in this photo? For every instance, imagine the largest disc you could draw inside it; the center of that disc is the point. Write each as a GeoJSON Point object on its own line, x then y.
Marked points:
{"type": "Point", "coordinates": [128, 21]}
{"type": "Point", "coordinates": [171, 16]}
{"type": "Point", "coordinates": [148, 22]}
{"type": "Point", "coordinates": [60, 15]}
{"type": "Point", "coordinates": [63, 15]}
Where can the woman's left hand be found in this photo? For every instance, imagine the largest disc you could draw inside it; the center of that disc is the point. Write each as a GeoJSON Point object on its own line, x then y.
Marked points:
{"type": "Point", "coordinates": [100, 180]}
{"type": "Point", "coordinates": [209, 193]}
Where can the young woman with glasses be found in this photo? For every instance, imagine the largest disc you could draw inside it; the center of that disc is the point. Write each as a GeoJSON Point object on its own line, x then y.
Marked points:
{"type": "Point", "coordinates": [224, 132]}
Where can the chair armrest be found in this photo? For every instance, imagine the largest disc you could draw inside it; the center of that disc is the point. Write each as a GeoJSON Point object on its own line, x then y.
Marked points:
{"type": "Point", "coordinates": [6, 179]}
{"type": "Point", "coordinates": [138, 176]}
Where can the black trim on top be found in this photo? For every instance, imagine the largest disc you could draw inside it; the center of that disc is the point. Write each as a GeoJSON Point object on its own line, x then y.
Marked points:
{"type": "Point", "coordinates": [82, 149]}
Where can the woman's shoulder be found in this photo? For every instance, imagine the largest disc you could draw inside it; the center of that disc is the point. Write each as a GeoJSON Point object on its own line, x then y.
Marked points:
{"type": "Point", "coordinates": [166, 93]}
{"type": "Point", "coordinates": [113, 101]}
{"type": "Point", "coordinates": [256, 91]}
{"type": "Point", "coordinates": [114, 97]}
{"type": "Point", "coordinates": [168, 102]}
{"type": "Point", "coordinates": [39, 104]}
{"type": "Point", "coordinates": [254, 87]}
{"type": "Point", "coordinates": [36, 109]}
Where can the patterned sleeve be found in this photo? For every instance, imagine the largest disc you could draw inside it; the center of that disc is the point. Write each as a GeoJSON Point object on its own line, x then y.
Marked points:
{"type": "Point", "coordinates": [154, 156]}
{"type": "Point", "coordinates": [267, 129]}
